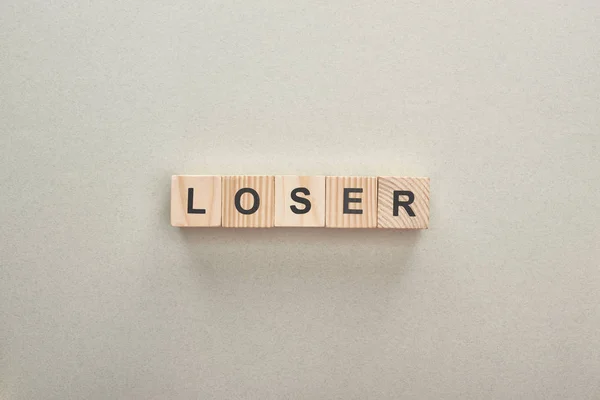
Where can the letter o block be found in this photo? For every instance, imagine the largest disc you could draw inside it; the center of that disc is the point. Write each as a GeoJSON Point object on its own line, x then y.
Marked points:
{"type": "Point", "coordinates": [351, 202]}
{"type": "Point", "coordinates": [403, 203]}
{"type": "Point", "coordinates": [248, 201]}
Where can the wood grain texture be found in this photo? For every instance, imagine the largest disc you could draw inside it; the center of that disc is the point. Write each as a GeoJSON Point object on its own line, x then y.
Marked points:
{"type": "Point", "coordinates": [420, 206]}
{"type": "Point", "coordinates": [284, 216]}
{"type": "Point", "coordinates": [207, 196]}
{"type": "Point", "coordinates": [263, 217]}
{"type": "Point", "coordinates": [335, 216]}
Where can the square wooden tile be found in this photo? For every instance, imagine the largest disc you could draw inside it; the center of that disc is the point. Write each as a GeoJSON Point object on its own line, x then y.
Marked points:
{"type": "Point", "coordinates": [299, 201]}
{"type": "Point", "coordinates": [403, 203]}
{"type": "Point", "coordinates": [248, 201]}
{"type": "Point", "coordinates": [351, 202]}
{"type": "Point", "coordinates": [195, 200]}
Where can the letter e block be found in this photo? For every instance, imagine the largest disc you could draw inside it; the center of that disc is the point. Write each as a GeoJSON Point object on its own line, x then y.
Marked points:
{"type": "Point", "coordinates": [351, 202]}
{"type": "Point", "coordinates": [403, 203]}
{"type": "Point", "coordinates": [195, 200]}
{"type": "Point", "coordinates": [300, 201]}
{"type": "Point", "coordinates": [248, 201]}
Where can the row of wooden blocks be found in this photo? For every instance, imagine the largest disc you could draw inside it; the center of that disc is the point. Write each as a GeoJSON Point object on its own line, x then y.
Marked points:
{"type": "Point", "coordinates": [299, 201]}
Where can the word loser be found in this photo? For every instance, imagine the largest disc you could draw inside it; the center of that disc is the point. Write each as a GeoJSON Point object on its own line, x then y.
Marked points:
{"type": "Point", "coordinates": [299, 201]}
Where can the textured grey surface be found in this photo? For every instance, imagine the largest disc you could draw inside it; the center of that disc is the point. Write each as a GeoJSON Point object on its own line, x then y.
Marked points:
{"type": "Point", "coordinates": [496, 101]}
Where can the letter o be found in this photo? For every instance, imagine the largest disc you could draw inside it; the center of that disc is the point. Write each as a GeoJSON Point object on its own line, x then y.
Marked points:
{"type": "Point", "coordinates": [238, 201]}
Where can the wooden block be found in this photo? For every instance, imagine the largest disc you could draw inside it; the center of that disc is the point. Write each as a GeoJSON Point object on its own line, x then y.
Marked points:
{"type": "Point", "coordinates": [351, 202]}
{"type": "Point", "coordinates": [299, 200]}
{"type": "Point", "coordinates": [195, 200]}
{"type": "Point", "coordinates": [403, 203]}
{"type": "Point", "coordinates": [248, 201]}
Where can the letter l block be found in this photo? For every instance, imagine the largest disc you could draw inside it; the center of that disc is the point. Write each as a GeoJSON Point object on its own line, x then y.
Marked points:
{"type": "Point", "coordinates": [195, 200]}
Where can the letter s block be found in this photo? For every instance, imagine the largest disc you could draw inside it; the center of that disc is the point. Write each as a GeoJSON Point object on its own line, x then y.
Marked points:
{"type": "Point", "coordinates": [248, 201]}
{"type": "Point", "coordinates": [300, 201]}
{"type": "Point", "coordinates": [195, 200]}
{"type": "Point", "coordinates": [403, 203]}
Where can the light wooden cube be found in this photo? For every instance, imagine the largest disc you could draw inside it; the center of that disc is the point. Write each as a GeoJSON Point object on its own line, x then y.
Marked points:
{"type": "Point", "coordinates": [248, 201]}
{"type": "Point", "coordinates": [300, 201]}
{"type": "Point", "coordinates": [195, 200]}
{"type": "Point", "coordinates": [403, 203]}
{"type": "Point", "coordinates": [351, 202]}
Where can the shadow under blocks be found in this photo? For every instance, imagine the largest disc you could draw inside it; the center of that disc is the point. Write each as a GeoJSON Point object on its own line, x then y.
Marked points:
{"type": "Point", "coordinates": [267, 201]}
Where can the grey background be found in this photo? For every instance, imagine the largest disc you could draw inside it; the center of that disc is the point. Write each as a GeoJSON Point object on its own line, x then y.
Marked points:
{"type": "Point", "coordinates": [497, 102]}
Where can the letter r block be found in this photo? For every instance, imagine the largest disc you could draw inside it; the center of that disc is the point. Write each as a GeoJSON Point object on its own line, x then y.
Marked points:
{"type": "Point", "coordinates": [248, 201]}
{"type": "Point", "coordinates": [403, 203]}
{"type": "Point", "coordinates": [195, 200]}
{"type": "Point", "coordinates": [351, 202]}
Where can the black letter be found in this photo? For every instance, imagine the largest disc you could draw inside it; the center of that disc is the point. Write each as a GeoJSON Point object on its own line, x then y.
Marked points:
{"type": "Point", "coordinates": [405, 204]}
{"type": "Point", "coordinates": [238, 198]}
{"type": "Point", "coordinates": [191, 209]}
{"type": "Point", "coordinates": [348, 200]}
{"type": "Point", "coordinates": [301, 200]}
